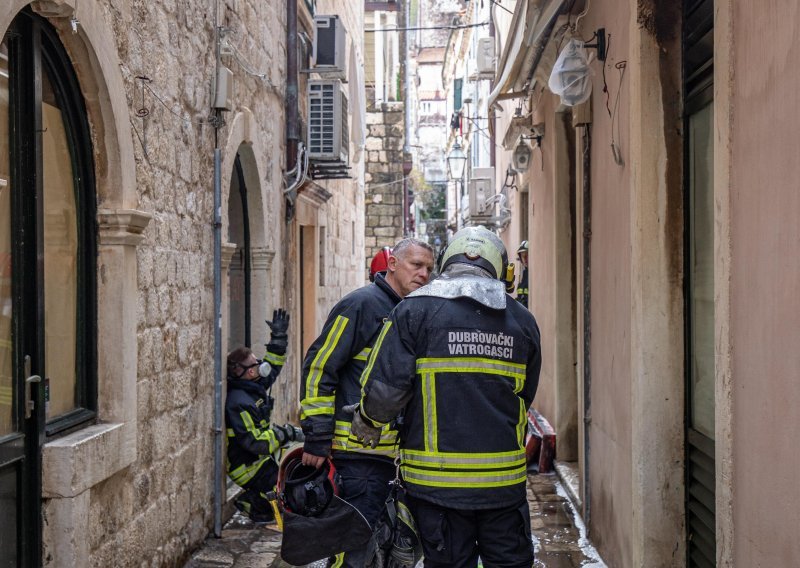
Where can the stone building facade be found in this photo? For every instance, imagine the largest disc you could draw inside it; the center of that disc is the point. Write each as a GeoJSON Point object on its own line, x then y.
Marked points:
{"type": "Point", "coordinates": [125, 476]}
{"type": "Point", "coordinates": [384, 178]}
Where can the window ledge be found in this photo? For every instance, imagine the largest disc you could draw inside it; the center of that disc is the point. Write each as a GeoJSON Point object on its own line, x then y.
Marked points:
{"type": "Point", "coordinates": [76, 462]}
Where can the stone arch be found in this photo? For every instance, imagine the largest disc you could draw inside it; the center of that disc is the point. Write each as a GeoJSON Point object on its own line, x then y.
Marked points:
{"type": "Point", "coordinates": [242, 141]}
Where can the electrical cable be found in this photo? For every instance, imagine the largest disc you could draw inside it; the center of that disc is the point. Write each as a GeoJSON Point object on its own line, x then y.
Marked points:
{"type": "Point", "coordinates": [453, 27]}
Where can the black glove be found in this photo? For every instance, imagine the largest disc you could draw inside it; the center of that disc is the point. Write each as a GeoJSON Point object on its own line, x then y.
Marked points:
{"type": "Point", "coordinates": [293, 433]}
{"type": "Point", "coordinates": [279, 326]}
{"type": "Point", "coordinates": [319, 448]}
{"type": "Point", "coordinates": [280, 434]}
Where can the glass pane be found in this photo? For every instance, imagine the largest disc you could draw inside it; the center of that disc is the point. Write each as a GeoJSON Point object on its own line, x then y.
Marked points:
{"type": "Point", "coordinates": [701, 267]}
{"type": "Point", "coordinates": [6, 391]}
{"type": "Point", "coordinates": [60, 258]}
{"type": "Point", "coordinates": [8, 518]}
{"type": "Point", "coordinates": [236, 299]}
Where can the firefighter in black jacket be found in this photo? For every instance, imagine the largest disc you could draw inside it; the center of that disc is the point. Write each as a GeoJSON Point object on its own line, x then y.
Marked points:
{"type": "Point", "coordinates": [463, 359]}
{"type": "Point", "coordinates": [252, 441]}
{"type": "Point", "coordinates": [330, 381]}
{"type": "Point", "coordinates": [522, 288]}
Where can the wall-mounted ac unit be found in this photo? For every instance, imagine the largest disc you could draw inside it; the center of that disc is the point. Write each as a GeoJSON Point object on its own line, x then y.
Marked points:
{"type": "Point", "coordinates": [481, 188]}
{"type": "Point", "coordinates": [328, 132]}
{"type": "Point", "coordinates": [485, 56]}
{"type": "Point", "coordinates": [329, 44]}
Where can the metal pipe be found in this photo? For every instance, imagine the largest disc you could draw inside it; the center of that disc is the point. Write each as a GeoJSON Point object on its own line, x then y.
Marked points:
{"type": "Point", "coordinates": [217, 344]}
{"type": "Point", "coordinates": [292, 112]}
{"type": "Point", "coordinates": [407, 115]}
{"type": "Point", "coordinates": [587, 316]}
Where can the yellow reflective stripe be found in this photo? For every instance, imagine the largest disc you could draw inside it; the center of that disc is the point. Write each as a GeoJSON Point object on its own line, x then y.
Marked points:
{"type": "Point", "coordinates": [231, 433]}
{"type": "Point", "coordinates": [344, 441]}
{"type": "Point", "coordinates": [463, 479]}
{"type": "Point", "coordinates": [470, 365]}
{"type": "Point", "coordinates": [338, 560]}
{"type": "Point", "coordinates": [464, 461]}
{"type": "Point", "coordinates": [364, 354]}
{"type": "Point", "coordinates": [245, 472]}
{"type": "Point", "coordinates": [429, 421]}
{"type": "Point", "coordinates": [274, 359]}
{"type": "Point", "coordinates": [372, 356]}
{"type": "Point", "coordinates": [261, 435]}
{"type": "Point", "coordinates": [522, 425]}
{"type": "Point", "coordinates": [514, 371]}
{"type": "Point", "coordinates": [318, 364]}
{"type": "Point", "coordinates": [317, 405]}
{"type": "Point", "coordinates": [405, 516]}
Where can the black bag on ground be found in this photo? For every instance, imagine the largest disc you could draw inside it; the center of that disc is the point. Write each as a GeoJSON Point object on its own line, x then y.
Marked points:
{"type": "Point", "coordinates": [339, 528]}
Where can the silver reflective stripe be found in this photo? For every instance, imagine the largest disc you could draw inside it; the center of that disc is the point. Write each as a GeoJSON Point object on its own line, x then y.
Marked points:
{"type": "Point", "coordinates": [463, 479]}
{"type": "Point", "coordinates": [470, 364]}
{"type": "Point", "coordinates": [464, 461]}
{"type": "Point", "coordinates": [311, 404]}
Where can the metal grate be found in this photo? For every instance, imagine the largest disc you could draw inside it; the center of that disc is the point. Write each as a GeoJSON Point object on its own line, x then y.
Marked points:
{"type": "Point", "coordinates": [328, 138]}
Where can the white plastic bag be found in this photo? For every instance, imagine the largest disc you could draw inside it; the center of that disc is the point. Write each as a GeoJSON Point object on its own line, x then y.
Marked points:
{"type": "Point", "coordinates": [571, 75]}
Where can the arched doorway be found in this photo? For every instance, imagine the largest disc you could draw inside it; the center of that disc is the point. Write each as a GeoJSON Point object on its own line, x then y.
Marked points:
{"type": "Point", "coordinates": [247, 272]}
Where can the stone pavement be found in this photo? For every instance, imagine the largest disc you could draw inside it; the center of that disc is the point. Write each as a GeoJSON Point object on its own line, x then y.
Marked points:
{"type": "Point", "coordinates": [558, 535]}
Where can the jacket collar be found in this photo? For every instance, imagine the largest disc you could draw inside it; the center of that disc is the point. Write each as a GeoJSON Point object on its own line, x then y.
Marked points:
{"type": "Point", "coordinates": [381, 283]}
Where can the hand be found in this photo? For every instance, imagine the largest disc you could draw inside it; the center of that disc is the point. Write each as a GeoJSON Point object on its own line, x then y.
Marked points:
{"type": "Point", "coordinates": [293, 433]}
{"type": "Point", "coordinates": [363, 431]}
{"type": "Point", "coordinates": [279, 324]}
{"type": "Point", "coordinates": [311, 459]}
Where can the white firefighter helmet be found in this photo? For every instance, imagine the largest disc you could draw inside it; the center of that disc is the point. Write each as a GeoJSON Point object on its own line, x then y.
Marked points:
{"type": "Point", "coordinates": [477, 246]}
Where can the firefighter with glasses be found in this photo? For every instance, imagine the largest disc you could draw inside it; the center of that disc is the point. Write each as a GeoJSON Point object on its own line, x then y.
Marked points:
{"type": "Point", "coordinates": [461, 359]}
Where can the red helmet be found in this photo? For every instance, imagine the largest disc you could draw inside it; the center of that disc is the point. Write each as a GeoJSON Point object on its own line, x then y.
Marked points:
{"type": "Point", "coordinates": [380, 262]}
{"type": "Point", "coordinates": [304, 489]}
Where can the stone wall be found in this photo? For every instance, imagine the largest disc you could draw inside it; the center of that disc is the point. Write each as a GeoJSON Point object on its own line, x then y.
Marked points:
{"type": "Point", "coordinates": [384, 178]}
{"type": "Point", "coordinates": [154, 507]}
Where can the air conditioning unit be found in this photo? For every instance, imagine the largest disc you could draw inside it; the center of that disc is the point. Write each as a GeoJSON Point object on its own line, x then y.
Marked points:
{"type": "Point", "coordinates": [481, 188]}
{"type": "Point", "coordinates": [329, 45]}
{"type": "Point", "coordinates": [485, 56]}
{"type": "Point", "coordinates": [328, 132]}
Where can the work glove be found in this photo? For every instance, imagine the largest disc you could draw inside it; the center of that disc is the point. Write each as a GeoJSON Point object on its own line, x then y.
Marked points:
{"type": "Point", "coordinates": [401, 555]}
{"type": "Point", "coordinates": [279, 326]}
{"type": "Point", "coordinates": [288, 433]}
{"type": "Point", "coordinates": [362, 430]}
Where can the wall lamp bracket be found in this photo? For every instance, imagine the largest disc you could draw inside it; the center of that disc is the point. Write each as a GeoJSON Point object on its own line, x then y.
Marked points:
{"type": "Point", "coordinates": [600, 44]}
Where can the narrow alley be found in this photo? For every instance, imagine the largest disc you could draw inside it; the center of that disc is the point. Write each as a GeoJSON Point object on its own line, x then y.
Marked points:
{"type": "Point", "coordinates": [559, 537]}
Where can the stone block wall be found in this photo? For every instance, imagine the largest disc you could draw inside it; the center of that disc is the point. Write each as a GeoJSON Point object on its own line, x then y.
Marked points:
{"type": "Point", "coordinates": [383, 179]}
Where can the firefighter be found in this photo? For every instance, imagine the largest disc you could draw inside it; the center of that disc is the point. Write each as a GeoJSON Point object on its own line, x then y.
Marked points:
{"type": "Point", "coordinates": [330, 381]}
{"type": "Point", "coordinates": [252, 440]}
{"type": "Point", "coordinates": [522, 288]}
{"type": "Point", "coordinates": [461, 359]}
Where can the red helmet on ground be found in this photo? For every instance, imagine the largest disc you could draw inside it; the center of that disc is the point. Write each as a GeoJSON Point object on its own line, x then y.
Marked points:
{"type": "Point", "coordinates": [304, 489]}
{"type": "Point", "coordinates": [380, 263]}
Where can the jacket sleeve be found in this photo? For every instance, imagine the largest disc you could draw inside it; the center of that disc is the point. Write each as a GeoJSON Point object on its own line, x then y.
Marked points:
{"type": "Point", "coordinates": [248, 433]}
{"type": "Point", "coordinates": [388, 378]}
{"type": "Point", "coordinates": [324, 362]}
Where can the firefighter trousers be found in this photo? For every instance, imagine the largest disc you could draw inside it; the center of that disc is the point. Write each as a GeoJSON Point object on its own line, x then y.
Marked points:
{"type": "Point", "coordinates": [455, 538]}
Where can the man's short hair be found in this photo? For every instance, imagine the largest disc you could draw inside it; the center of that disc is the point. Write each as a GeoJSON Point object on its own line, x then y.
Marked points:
{"type": "Point", "coordinates": [402, 245]}
{"type": "Point", "coordinates": [236, 358]}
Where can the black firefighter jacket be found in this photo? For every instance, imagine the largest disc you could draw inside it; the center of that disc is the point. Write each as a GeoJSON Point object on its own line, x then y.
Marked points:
{"type": "Point", "coordinates": [466, 375]}
{"type": "Point", "coordinates": [333, 366]}
{"type": "Point", "coordinates": [251, 441]}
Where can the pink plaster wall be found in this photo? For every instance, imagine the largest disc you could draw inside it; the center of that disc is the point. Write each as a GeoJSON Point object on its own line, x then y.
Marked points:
{"type": "Point", "coordinates": [765, 277]}
{"type": "Point", "coordinates": [610, 467]}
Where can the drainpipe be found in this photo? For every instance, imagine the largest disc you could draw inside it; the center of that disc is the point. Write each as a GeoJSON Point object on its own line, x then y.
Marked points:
{"type": "Point", "coordinates": [407, 163]}
{"type": "Point", "coordinates": [217, 344]}
{"type": "Point", "coordinates": [587, 314]}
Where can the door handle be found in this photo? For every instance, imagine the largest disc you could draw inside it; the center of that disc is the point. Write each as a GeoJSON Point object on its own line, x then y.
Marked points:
{"type": "Point", "coordinates": [29, 404]}
{"type": "Point", "coordinates": [29, 380]}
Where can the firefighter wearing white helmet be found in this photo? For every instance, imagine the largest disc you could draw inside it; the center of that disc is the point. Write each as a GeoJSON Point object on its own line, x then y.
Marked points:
{"type": "Point", "coordinates": [460, 359]}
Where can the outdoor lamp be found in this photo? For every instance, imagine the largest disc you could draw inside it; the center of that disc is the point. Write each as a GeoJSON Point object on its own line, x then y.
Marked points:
{"type": "Point", "coordinates": [456, 161]}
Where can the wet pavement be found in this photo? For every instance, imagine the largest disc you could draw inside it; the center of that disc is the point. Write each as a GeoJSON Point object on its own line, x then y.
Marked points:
{"type": "Point", "coordinates": [558, 534]}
